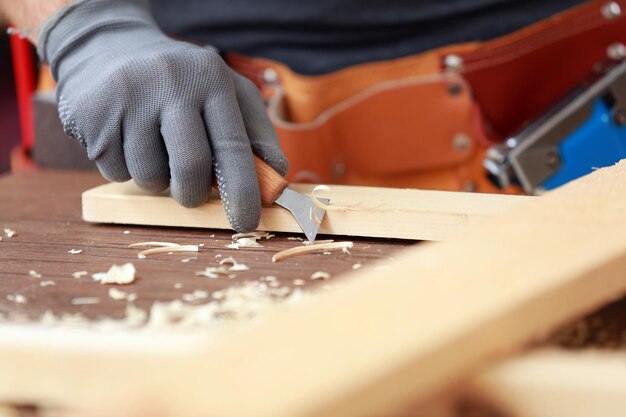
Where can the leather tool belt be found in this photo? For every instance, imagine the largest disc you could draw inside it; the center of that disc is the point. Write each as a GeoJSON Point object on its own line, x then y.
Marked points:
{"type": "Point", "coordinates": [426, 120]}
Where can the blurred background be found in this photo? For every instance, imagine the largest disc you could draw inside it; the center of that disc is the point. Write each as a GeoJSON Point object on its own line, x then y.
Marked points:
{"type": "Point", "coordinates": [9, 121]}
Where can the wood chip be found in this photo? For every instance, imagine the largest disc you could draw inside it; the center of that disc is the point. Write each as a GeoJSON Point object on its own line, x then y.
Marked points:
{"type": "Point", "coordinates": [252, 235]}
{"type": "Point", "coordinates": [244, 242]}
{"type": "Point", "coordinates": [79, 301]}
{"type": "Point", "coordinates": [48, 283]}
{"type": "Point", "coordinates": [356, 266]}
{"type": "Point", "coordinates": [34, 274]}
{"type": "Point", "coordinates": [185, 260]}
{"type": "Point", "coordinates": [116, 294]}
{"type": "Point", "coordinates": [75, 251]}
{"type": "Point", "coordinates": [299, 282]}
{"type": "Point", "coordinates": [126, 232]}
{"type": "Point", "coordinates": [320, 275]}
{"type": "Point", "coordinates": [117, 274]}
{"type": "Point", "coordinates": [80, 274]}
{"type": "Point", "coordinates": [10, 232]}
{"type": "Point", "coordinates": [214, 272]}
{"type": "Point", "coordinates": [131, 297]}
{"type": "Point", "coordinates": [17, 298]}
{"type": "Point", "coordinates": [195, 296]}
{"type": "Point", "coordinates": [315, 248]}
{"type": "Point", "coordinates": [235, 266]}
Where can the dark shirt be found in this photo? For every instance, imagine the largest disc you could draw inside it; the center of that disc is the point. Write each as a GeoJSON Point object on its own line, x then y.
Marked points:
{"type": "Point", "coordinates": [320, 36]}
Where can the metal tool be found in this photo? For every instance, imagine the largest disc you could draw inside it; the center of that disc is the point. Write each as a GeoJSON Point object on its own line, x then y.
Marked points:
{"type": "Point", "coordinates": [586, 130]}
{"type": "Point", "coordinates": [275, 189]}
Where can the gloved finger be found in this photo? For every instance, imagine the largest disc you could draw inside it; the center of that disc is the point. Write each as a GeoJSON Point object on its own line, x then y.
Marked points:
{"type": "Point", "coordinates": [146, 156]}
{"type": "Point", "coordinates": [189, 153]}
{"type": "Point", "coordinates": [261, 133]}
{"type": "Point", "coordinates": [110, 160]}
{"type": "Point", "coordinates": [232, 158]}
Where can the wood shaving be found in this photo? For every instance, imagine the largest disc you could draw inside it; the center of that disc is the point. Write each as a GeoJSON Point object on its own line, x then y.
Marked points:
{"type": "Point", "coordinates": [34, 274]}
{"type": "Point", "coordinates": [252, 235]}
{"type": "Point", "coordinates": [75, 251]}
{"type": "Point", "coordinates": [79, 301]}
{"type": "Point", "coordinates": [320, 275]}
{"type": "Point", "coordinates": [245, 242]}
{"type": "Point", "coordinates": [315, 248]}
{"type": "Point", "coordinates": [168, 250]}
{"type": "Point", "coordinates": [299, 282]}
{"type": "Point", "coordinates": [185, 260]}
{"type": "Point", "coordinates": [153, 243]}
{"type": "Point", "coordinates": [117, 295]}
{"type": "Point", "coordinates": [126, 232]}
{"type": "Point", "coordinates": [117, 274]}
{"type": "Point", "coordinates": [294, 238]}
{"type": "Point", "coordinates": [356, 266]}
{"type": "Point", "coordinates": [326, 253]}
{"type": "Point", "coordinates": [48, 283]}
{"type": "Point", "coordinates": [80, 274]}
{"type": "Point", "coordinates": [235, 266]}
{"type": "Point", "coordinates": [17, 298]}
{"type": "Point", "coordinates": [195, 296]}
{"type": "Point", "coordinates": [132, 297]}
{"type": "Point", "coordinates": [10, 232]}
{"type": "Point", "coordinates": [308, 243]}
{"type": "Point", "coordinates": [214, 272]}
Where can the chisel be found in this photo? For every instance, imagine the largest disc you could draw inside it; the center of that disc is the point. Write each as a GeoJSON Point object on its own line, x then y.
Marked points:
{"type": "Point", "coordinates": [275, 189]}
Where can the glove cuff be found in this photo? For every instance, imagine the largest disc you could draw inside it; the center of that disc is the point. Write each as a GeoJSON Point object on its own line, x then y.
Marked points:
{"type": "Point", "coordinates": [73, 25]}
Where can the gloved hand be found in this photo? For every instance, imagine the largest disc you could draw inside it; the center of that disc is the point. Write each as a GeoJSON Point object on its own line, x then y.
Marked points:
{"type": "Point", "coordinates": [156, 110]}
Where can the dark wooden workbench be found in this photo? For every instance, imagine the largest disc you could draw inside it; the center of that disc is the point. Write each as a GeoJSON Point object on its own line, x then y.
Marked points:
{"type": "Point", "coordinates": [44, 209]}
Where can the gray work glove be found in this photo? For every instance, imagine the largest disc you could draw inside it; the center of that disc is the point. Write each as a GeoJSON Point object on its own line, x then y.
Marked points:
{"type": "Point", "coordinates": [156, 110]}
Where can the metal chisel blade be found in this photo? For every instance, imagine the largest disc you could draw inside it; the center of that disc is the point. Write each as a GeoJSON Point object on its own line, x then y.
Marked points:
{"type": "Point", "coordinates": [304, 211]}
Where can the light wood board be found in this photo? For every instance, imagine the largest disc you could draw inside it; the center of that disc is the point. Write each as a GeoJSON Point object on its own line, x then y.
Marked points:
{"type": "Point", "coordinates": [374, 212]}
{"type": "Point", "coordinates": [388, 336]}
{"type": "Point", "coordinates": [550, 383]}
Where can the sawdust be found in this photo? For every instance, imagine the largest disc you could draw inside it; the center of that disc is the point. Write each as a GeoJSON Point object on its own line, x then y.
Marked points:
{"type": "Point", "coordinates": [79, 274]}
{"type": "Point", "coordinates": [47, 283]}
{"type": "Point", "coordinates": [17, 298]}
{"type": "Point", "coordinates": [75, 251]}
{"type": "Point", "coordinates": [320, 275]}
{"type": "Point", "coordinates": [117, 274]}
{"type": "Point", "coordinates": [10, 232]}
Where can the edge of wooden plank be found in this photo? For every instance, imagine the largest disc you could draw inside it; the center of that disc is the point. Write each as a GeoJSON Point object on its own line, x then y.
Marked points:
{"type": "Point", "coordinates": [370, 211]}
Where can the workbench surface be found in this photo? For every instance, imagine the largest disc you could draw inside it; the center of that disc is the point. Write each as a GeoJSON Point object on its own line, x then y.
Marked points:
{"type": "Point", "coordinates": [44, 209]}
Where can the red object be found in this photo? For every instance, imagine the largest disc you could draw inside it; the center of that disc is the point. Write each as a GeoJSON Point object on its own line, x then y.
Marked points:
{"type": "Point", "coordinates": [24, 71]}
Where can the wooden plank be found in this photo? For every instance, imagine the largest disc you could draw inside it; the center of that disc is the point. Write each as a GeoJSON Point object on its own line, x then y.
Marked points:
{"type": "Point", "coordinates": [373, 212]}
{"type": "Point", "coordinates": [552, 382]}
{"type": "Point", "coordinates": [386, 337]}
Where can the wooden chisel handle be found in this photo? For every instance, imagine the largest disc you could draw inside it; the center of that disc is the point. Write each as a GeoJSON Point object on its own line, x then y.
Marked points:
{"type": "Point", "coordinates": [271, 184]}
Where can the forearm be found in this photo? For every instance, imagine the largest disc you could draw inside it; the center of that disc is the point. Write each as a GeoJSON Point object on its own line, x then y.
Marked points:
{"type": "Point", "coordinates": [29, 15]}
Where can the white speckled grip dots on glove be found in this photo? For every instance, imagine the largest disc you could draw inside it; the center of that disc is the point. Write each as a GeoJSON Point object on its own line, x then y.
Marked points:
{"type": "Point", "coordinates": [156, 110]}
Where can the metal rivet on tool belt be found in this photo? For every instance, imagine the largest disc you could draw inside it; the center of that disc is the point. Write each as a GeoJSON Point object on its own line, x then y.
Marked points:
{"type": "Point", "coordinates": [461, 142]}
{"type": "Point", "coordinates": [453, 62]}
{"type": "Point", "coordinates": [270, 76]}
{"type": "Point", "coordinates": [454, 89]}
{"type": "Point", "coordinates": [611, 10]}
{"type": "Point", "coordinates": [469, 186]}
{"type": "Point", "coordinates": [616, 51]}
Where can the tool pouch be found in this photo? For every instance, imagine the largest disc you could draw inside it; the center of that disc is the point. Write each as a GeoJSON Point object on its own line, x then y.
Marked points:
{"type": "Point", "coordinates": [425, 120]}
